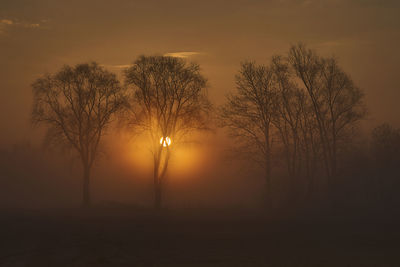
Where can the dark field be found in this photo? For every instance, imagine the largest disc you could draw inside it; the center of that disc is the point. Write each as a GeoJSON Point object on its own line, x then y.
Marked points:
{"type": "Point", "coordinates": [128, 237]}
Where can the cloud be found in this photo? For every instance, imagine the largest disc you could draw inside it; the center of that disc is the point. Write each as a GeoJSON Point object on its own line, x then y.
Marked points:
{"type": "Point", "coordinates": [173, 54]}
{"type": "Point", "coordinates": [4, 23]}
{"type": "Point", "coordinates": [7, 23]}
{"type": "Point", "coordinates": [32, 25]}
{"type": "Point", "coordinates": [182, 54]}
{"type": "Point", "coordinates": [123, 66]}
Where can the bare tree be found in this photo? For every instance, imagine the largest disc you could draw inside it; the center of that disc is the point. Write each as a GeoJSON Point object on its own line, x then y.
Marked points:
{"type": "Point", "coordinates": [170, 101]}
{"type": "Point", "coordinates": [308, 101]}
{"type": "Point", "coordinates": [248, 115]}
{"type": "Point", "coordinates": [337, 102]}
{"type": "Point", "coordinates": [309, 142]}
{"type": "Point", "coordinates": [295, 122]}
{"type": "Point", "coordinates": [287, 117]}
{"type": "Point", "coordinates": [76, 105]}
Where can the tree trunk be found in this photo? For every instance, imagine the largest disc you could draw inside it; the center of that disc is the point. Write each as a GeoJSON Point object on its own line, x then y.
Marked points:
{"type": "Point", "coordinates": [157, 183]}
{"type": "Point", "coordinates": [268, 167]}
{"type": "Point", "coordinates": [268, 190]}
{"type": "Point", "coordinates": [86, 185]}
{"type": "Point", "coordinates": [157, 197]}
{"type": "Point", "coordinates": [159, 176]}
{"type": "Point", "coordinates": [268, 182]}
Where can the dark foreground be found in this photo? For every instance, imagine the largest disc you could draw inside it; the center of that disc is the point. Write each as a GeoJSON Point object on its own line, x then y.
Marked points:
{"type": "Point", "coordinates": [123, 237]}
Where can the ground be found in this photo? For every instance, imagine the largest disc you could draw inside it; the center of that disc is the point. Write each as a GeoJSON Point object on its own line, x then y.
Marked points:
{"type": "Point", "coordinates": [127, 237]}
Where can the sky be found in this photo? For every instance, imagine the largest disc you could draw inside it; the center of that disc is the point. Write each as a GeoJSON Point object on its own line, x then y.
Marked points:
{"type": "Point", "coordinates": [40, 36]}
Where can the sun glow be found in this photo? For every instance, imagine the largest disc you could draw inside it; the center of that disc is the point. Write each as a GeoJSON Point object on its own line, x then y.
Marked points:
{"type": "Point", "coordinates": [165, 141]}
{"type": "Point", "coordinates": [186, 160]}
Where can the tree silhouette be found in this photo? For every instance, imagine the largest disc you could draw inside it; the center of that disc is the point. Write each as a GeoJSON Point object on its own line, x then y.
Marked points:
{"type": "Point", "coordinates": [307, 104]}
{"type": "Point", "coordinates": [169, 101]}
{"type": "Point", "coordinates": [287, 117]}
{"type": "Point", "coordinates": [337, 103]}
{"type": "Point", "coordinates": [248, 115]}
{"type": "Point", "coordinates": [76, 105]}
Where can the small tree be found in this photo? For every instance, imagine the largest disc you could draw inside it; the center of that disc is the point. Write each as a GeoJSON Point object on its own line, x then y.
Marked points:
{"type": "Point", "coordinates": [169, 101]}
{"type": "Point", "coordinates": [76, 105]}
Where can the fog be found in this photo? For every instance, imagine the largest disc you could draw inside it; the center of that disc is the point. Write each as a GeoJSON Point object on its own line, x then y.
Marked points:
{"type": "Point", "coordinates": [289, 146]}
{"type": "Point", "coordinates": [36, 177]}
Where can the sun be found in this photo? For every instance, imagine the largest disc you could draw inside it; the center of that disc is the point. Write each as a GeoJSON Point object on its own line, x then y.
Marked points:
{"type": "Point", "coordinates": [165, 141]}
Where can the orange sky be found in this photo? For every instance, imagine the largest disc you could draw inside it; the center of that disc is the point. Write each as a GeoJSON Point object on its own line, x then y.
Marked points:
{"type": "Point", "coordinates": [40, 36]}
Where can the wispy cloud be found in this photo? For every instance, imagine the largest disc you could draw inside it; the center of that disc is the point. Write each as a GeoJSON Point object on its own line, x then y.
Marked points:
{"type": "Point", "coordinates": [8, 23]}
{"type": "Point", "coordinates": [123, 66]}
{"type": "Point", "coordinates": [182, 54]}
{"type": "Point", "coordinates": [172, 54]}
{"type": "Point", "coordinates": [32, 25]}
{"type": "Point", "coordinates": [4, 23]}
